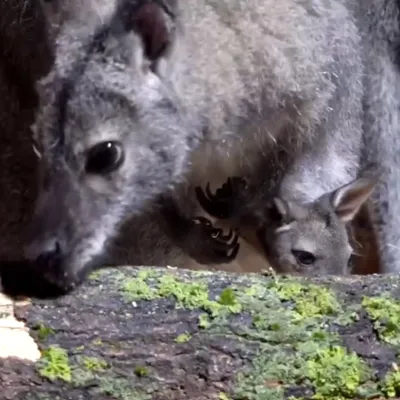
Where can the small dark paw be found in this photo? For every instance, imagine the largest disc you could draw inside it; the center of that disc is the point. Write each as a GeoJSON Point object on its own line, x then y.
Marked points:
{"type": "Point", "coordinates": [212, 246]}
{"type": "Point", "coordinates": [225, 201]}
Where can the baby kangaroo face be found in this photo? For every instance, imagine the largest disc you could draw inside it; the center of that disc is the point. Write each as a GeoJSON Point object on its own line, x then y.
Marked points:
{"type": "Point", "coordinates": [312, 239]}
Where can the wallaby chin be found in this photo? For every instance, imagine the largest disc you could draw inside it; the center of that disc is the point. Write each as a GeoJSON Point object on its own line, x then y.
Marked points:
{"type": "Point", "coordinates": [27, 279]}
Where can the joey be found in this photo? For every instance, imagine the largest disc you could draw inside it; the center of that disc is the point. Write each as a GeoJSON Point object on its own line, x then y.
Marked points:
{"type": "Point", "coordinates": [301, 238]}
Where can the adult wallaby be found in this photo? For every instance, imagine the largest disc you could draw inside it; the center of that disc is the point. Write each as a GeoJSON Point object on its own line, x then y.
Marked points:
{"type": "Point", "coordinates": [150, 97]}
{"type": "Point", "coordinates": [301, 238]}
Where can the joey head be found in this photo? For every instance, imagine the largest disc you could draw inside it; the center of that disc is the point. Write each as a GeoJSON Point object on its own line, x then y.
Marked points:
{"type": "Point", "coordinates": [313, 239]}
{"type": "Point", "coordinates": [297, 238]}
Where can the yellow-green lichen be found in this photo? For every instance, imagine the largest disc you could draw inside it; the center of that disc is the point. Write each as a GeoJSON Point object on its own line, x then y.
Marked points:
{"type": "Point", "coordinates": [138, 289]}
{"type": "Point", "coordinates": [291, 320]}
{"type": "Point", "coordinates": [141, 371]}
{"type": "Point", "coordinates": [183, 338]}
{"type": "Point", "coordinates": [54, 364]}
{"type": "Point", "coordinates": [99, 274]}
{"type": "Point", "coordinates": [385, 314]}
{"type": "Point", "coordinates": [187, 294]}
{"type": "Point", "coordinates": [391, 384]}
{"type": "Point", "coordinates": [336, 373]}
{"type": "Point", "coordinates": [94, 364]}
{"type": "Point", "coordinates": [43, 331]}
{"type": "Point", "coordinates": [204, 321]}
{"type": "Point", "coordinates": [309, 300]}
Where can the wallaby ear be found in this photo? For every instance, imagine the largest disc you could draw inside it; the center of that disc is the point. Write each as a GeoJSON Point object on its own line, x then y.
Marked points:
{"type": "Point", "coordinates": [348, 199]}
{"type": "Point", "coordinates": [152, 23]}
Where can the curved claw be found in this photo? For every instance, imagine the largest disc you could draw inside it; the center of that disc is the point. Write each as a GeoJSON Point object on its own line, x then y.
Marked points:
{"type": "Point", "coordinates": [228, 236]}
{"type": "Point", "coordinates": [226, 258]}
{"type": "Point", "coordinates": [225, 190]}
{"type": "Point", "coordinates": [223, 247]}
{"type": "Point", "coordinates": [212, 207]}
{"type": "Point", "coordinates": [234, 252]}
{"type": "Point", "coordinates": [224, 244]}
{"type": "Point", "coordinates": [209, 193]}
{"type": "Point", "coordinates": [235, 241]}
{"type": "Point", "coordinates": [215, 233]}
{"type": "Point", "coordinates": [221, 204]}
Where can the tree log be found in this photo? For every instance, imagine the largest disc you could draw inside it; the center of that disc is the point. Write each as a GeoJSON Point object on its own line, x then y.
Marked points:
{"type": "Point", "coordinates": [174, 334]}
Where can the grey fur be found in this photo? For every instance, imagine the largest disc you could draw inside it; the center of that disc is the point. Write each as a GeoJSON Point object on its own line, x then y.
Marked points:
{"type": "Point", "coordinates": [319, 228]}
{"type": "Point", "coordinates": [381, 128]}
{"type": "Point", "coordinates": [289, 230]}
{"type": "Point", "coordinates": [241, 82]}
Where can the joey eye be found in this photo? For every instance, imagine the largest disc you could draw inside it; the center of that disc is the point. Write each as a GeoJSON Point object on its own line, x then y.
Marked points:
{"type": "Point", "coordinates": [104, 158]}
{"type": "Point", "coordinates": [304, 257]}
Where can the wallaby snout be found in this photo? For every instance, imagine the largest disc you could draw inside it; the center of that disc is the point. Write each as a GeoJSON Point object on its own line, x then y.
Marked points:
{"type": "Point", "coordinates": [47, 248]}
{"type": "Point", "coordinates": [63, 236]}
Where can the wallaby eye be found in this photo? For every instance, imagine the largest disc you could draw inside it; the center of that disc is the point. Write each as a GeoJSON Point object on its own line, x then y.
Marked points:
{"type": "Point", "coordinates": [104, 158]}
{"type": "Point", "coordinates": [304, 257]}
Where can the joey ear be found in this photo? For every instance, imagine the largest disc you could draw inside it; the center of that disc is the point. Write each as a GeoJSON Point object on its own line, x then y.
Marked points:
{"type": "Point", "coordinates": [348, 199]}
{"type": "Point", "coordinates": [153, 23]}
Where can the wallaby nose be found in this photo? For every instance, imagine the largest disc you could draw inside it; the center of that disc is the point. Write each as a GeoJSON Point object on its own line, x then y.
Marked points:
{"type": "Point", "coordinates": [47, 252]}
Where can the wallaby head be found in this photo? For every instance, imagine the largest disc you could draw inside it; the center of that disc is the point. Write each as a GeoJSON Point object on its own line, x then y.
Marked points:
{"type": "Point", "coordinates": [312, 239]}
{"type": "Point", "coordinates": [110, 135]}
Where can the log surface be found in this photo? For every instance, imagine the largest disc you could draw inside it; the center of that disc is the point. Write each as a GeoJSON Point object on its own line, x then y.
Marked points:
{"type": "Point", "coordinates": [174, 334]}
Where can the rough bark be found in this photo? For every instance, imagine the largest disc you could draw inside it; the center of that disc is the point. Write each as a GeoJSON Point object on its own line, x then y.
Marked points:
{"type": "Point", "coordinates": [175, 334]}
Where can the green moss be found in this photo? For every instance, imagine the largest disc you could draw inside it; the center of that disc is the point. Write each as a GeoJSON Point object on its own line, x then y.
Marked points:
{"type": "Point", "coordinates": [187, 294]}
{"type": "Point", "coordinates": [391, 384]}
{"type": "Point", "coordinates": [309, 301]}
{"type": "Point", "coordinates": [94, 363]}
{"type": "Point", "coordinates": [228, 298]}
{"type": "Point", "coordinates": [43, 331]}
{"type": "Point", "coordinates": [204, 321]}
{"type": "Point", "coordinates": [54, 364]}
{"type": "Point", "coordinates": [195, 295]}
{"type": "Point", "coordinates": [385, 313]}
{"type": "Point", "coordinates": [223, 396]}
{"type": "Point", "coordinates": [183, 338]}
{"type": "Point", "coordinates": [291, 320]}
{"type": "Point", "coordinates": [138, 289]}
{"type": "Point", "coordinates": [141, 371]}
{"type": "Point", "coordinates": [95, 275]}
{"type": "Point", "coordinates": [334, 372]}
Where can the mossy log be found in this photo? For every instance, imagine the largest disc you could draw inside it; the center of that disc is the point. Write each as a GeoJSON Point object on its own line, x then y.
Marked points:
{"type": "Point", "coordinates": [173, 334]}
